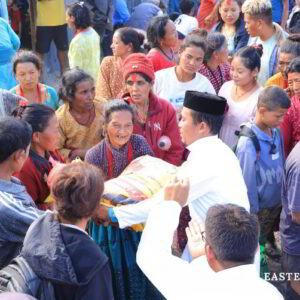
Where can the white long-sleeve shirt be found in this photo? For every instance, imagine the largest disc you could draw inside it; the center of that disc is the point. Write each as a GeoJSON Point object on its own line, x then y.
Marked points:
{"type": "Point", "coordinates": [215, 178]}
{"type": "Point", "coordinates": [176, 279]}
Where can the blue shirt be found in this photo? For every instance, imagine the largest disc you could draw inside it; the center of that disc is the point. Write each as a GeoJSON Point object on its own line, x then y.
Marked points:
{"type": "Point", "coordinates": [290, 231]}
{"type": "Point", "coordinates": [263, 186]}
{"type": "Point", "coordinates": [121, 14]}
{"type": "Point", "coordinates": [277, 8]}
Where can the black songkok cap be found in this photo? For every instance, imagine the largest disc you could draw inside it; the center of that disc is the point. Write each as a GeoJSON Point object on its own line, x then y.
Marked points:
{"type": "Point", "coordinates": [205, 102]}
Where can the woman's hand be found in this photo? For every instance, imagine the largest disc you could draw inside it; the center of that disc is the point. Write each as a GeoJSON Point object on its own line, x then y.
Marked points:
{"type": "Point", "coordinates": [196, 241]}
{"type": "Point", "coordinates": [177, 190]}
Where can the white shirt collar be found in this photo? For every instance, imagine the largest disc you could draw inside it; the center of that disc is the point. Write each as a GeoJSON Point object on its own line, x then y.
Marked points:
{"type": "Point", "coordinates": [195, 145]}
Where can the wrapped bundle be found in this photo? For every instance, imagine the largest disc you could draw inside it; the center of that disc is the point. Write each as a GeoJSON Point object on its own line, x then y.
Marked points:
{"type": "Point", "coordinates": [142, 179]}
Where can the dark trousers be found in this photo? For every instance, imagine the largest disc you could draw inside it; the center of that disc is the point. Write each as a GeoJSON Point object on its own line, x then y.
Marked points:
{"type": "Point", "coordinates": [105, 40]}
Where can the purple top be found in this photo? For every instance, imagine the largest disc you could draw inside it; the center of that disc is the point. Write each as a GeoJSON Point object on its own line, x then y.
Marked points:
{"type": "Point", "coordinates": [290, 231]}
{"type": "Point", "coordinates": [97, 155]}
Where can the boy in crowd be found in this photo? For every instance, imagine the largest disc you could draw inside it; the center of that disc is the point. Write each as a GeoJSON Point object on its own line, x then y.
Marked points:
{"type": "Point", "coordinates": [263, 169]}
{"type": "Point", "coordinates": [17, 209]}
{"type": "Point", "coordinates": [291, 122]}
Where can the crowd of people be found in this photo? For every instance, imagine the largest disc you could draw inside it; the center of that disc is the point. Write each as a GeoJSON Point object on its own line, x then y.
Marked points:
{"type": "Point", "coordinates": [211, 88]}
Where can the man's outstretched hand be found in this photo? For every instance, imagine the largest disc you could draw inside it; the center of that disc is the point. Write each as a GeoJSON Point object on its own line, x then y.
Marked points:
{"type": "Point", "coordinates": [177, 190]}
{"type": "Point", "coordinates": [196, 240]}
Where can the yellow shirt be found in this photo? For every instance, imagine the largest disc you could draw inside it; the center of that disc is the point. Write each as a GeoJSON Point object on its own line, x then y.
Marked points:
{"type": "Point", "coordinates": [76, 136]}
{"type": "Point", "coordinates": [278, 80]}
{"type": "Point", "coordinates": [50, 13]}
{"type": "Point", "coordinates": [84, 52]}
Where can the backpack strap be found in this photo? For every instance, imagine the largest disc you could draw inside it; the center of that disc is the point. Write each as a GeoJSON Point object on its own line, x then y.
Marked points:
{"type": "Point", "coordinates": [248, 132]}
{"type": "Point", "coordinates": [19, 277]}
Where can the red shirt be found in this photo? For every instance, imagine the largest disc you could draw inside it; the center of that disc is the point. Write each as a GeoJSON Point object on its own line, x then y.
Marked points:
{"type": "Point", "coordinates": [15, 18]}
{"type": "Point", "coordinates": [206, 7]}
{"type": "Point", "coordinates": [159, 61]}
{"type": "Point", "coordinates": [34, 174]}
{"type": "Point", "coordinates": [161, 120]}
{"type": "Point", "coordinates": [291, 126]}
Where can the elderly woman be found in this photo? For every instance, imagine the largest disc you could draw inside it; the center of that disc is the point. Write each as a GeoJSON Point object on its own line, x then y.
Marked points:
{"type": "Point", "coordinates": [27, 68]}
{"type": "Point", "coordinates": [73, 264]}
{"type": "Point", "coordinates": [84, 50]}
{"type": "Point", "coordinates": [9, 44]}
{"type": "Point", "coordinates": [289, 50]}
{"type": "Point", "coordinates": [155, 117]}
{"type": "Point", "coordinates": [109, 83]}
{"type": "Point", "coordinates": [80, 118]}
{"type": "Point", "coordinates": [113, 155]}
{"type": "Point", "coordinates": [215, 65]}
{"type": "Point", "coordinates": [162, 38]}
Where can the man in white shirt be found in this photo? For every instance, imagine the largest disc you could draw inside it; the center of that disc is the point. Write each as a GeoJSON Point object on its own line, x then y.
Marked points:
{"type": "Point", "coordinates": [229, 242]}
{"type": "Point", "coordinates": [212, 167]}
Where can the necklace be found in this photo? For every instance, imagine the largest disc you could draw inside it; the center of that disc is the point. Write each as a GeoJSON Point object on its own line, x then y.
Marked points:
{"type": "Point", "coordinates": [244, 93]}
{"type": "Point", "coordinates": [142, 112]}
{"type": "Point", "coordinates": [166, 55]}
{"type": "Point", "coordinates": [87, 121]}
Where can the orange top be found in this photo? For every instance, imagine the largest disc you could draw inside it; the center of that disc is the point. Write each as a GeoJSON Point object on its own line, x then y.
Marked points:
{"type": "Point", "coordinates": [278, 80]}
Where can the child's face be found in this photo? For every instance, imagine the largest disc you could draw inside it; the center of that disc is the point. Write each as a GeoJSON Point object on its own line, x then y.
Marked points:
{"type": "Point", "coordinates": [298, 3]}
{"type": "Point", "coordinates": [294, 83]}
{"type": "Point", "coordinates": [272, 118]}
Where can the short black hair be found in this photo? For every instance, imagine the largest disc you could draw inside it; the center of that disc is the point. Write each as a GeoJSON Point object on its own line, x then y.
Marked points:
{"type": "Point", "coordinates": [214, 122]}
{"type": "Point", "coordinates": [25, 56]}
{"type": "Point", "coordinates": [81, 15]}
{"type": "Point", "coordinates": [69, 81]}
{"type": "Point", "coordinates": [131, 36]}
{"type": "Point", "coordinates": [273, 97]}
{"type": "Point", "coordinates": [232, 233]}
{"type": "Point", "coordinates": [156, 30]}
{"type": "Point", "coordinates": [214, 42]}
{"type": "Point", "coordinates": [117, 105]}
{"type": "Point", "coordinates": [37, 115]}
{"type": "Point", "coordinates": [186, 6]}
{"type": "Point", "coordinates": [250, 57]}
{"type": "Point", "coordinates": [15, 134]}
{"type": "Point", "coordinates": [294, 66]}
{"type": "Point", "coordinates": [291, 45]}
{"type": "Point", "coordinates": [174, 15]}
